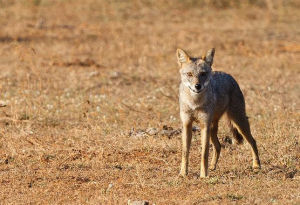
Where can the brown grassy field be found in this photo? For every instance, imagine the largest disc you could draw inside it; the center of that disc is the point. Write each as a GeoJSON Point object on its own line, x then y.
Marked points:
{"type": "Point", "coordinates": [82, 81]}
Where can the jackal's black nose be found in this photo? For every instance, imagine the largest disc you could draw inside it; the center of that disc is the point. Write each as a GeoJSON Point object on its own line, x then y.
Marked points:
{"type": "Point", "coordinates": [198, 86]}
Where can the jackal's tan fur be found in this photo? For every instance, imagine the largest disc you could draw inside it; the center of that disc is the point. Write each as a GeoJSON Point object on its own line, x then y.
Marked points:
{"type": "Point", "coordinates": [207, 95]}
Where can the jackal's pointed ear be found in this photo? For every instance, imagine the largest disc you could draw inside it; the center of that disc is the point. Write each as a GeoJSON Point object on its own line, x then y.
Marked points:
{"type": "Point", "coordinates": [182, 56]}
{"type": "Point", "coordinates": [209, 58]}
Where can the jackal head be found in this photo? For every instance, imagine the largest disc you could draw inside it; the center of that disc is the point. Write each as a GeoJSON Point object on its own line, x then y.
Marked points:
{"type": "Point", "coordinates": [195, 72]}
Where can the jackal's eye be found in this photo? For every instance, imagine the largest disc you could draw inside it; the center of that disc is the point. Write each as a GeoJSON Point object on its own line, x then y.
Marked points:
{"type": "Point", "coordinates": [190, 74]}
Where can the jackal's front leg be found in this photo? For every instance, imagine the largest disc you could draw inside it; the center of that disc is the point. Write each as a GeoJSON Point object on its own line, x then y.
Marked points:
{"type": "Point", "coordinates": [186, 142]}
{"type": "Point", "coordinates": [205, 150]}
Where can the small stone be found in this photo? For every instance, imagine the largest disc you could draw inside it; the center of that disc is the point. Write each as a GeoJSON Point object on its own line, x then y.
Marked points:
{"type": "Point", "coordinates": [152, 131]}
{"type": "Point", "coordinates": [170, 132]}
{"type": "Point", "coordinates": [131, 132]}
{"type": "Point", "coordinates": [140, 134]}
{"type": "Point", "coordinates": [93, 74]}
{"type": "Point", "coordinates": [167, 133]}
{"type": "Point", "coordinates": [166, 127]}
{"type": "Point", "coordinates": [109, 187]}
{"type": "Point", "coordinates": [115, 75]}
{"type": "Point", "coordinates": [177, 131]}
{"type": "Point", "coordinates": [3, 103]}
{"type": "Point", "coordinates": [290, 175]}
{"type": "Point", "coordinates": [143, 202]}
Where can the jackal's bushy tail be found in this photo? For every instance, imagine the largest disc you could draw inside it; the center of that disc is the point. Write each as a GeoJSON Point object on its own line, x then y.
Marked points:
{"type": "Point", "coordinates": [236, 135]}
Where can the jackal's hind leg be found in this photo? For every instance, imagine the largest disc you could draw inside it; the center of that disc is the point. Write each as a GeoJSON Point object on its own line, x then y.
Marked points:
{"type": "Point", "coordinates": [242, 124]}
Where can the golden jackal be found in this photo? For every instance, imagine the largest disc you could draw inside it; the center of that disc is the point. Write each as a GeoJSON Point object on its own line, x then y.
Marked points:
{"type": "Point", "coordinates": [207, 95]}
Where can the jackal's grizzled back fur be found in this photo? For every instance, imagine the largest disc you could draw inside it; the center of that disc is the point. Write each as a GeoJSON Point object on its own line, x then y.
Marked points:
{"type": "Point", "coordinates": [236, 106]}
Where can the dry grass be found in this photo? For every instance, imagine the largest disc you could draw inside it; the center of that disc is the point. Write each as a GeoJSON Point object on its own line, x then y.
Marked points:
{"type": "Point", "coordinates": [76, 76]}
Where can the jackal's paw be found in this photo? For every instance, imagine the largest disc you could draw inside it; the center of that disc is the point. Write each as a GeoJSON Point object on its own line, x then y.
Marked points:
{"type": "Point", "coordinates": [256, 166]}
{"type": "Point", "coordinates": [204, 176]}
{"type": "Point", "coordinates": [183, 171]}
{"type": "Point", "coordinates": [212, 167]}
{"type": "Point", "coordinates": [182, 174]}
